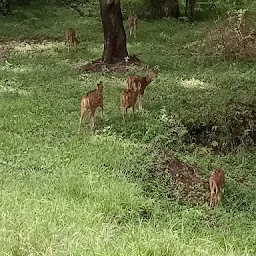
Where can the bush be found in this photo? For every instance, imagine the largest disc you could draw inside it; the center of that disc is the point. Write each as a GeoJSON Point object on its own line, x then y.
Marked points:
{"type": "Point", "coordinates": [234, 36]}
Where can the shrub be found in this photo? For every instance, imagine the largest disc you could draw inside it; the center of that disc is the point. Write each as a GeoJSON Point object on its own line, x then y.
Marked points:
{"type": "Point", "coordinates": [234, 36]}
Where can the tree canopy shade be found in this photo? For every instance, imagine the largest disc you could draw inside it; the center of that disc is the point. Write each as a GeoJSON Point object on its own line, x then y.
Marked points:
{"type": "Point", "coordinates": [114, 33]}
{"type": "Point", "coordinates": [4, 7]}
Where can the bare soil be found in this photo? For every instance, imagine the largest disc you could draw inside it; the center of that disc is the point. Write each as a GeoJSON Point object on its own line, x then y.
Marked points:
{"type": "Point", "coordinates": [189, 186]}
{"type": "Point", "coordinates": [115, 66]}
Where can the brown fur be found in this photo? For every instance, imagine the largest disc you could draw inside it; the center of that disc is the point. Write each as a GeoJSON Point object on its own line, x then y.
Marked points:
{"type": "Point", "coordinates": [71, 39]}
{"type": "Point", "coordinates": [91, 101]}
{"type": "Point", "coordinates": [133, 24]}
{"type": "Point", "coordinates": [129, 98]}
{"type": "Point", "coordinates": [142, 81]}
{"type": "Point", "coordinates": [216, 183]}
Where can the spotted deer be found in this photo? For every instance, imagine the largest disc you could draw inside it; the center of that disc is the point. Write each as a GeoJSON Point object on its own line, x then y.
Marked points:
{"type": "Point", "coordinates": [71, 39]}
{"type": "Point", "coordinates": [216, 183]}
{"type": "Point", "coordinates": [133, 23]}
{"type": "Point", "coordinates": [129, 98]}
{"type": "Point", "coordinates": [91, 101]}
{"type": "Point", "coordinates": [142, 82]}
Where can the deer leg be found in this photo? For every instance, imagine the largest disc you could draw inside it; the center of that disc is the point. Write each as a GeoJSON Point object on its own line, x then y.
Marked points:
{"type": "Point", "coordinates": [140, 102]}
{"type": "Point", "coordinates": [101, 112]}
{"type": "Point", "coordinates": [81, 118]}
{"type": "Point", "coordinates": [211, 200]}
{"type": "Point", "coordinates": [133, 111]}
{"type": "Point", "coordinates": [92, 121]}
{"type": "Point", "coordinates": [218, 197]}
{"type": "Point", "coordinates": [124, 113]}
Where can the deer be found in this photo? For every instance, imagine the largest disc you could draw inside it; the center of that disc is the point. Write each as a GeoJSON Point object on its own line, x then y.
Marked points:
{"type": "Point", "coordinates": [71, 39]}
{"type": "Point", "coordinates": [216, 183]}
{"type": "Point", "coordinates": [133, 23]}
{"type": "Point", "coordinates": [91, 101]}
{"type": "Point", "coordinates": [142, 82]}
{"type": "Point", "coordinates": [129, 98]}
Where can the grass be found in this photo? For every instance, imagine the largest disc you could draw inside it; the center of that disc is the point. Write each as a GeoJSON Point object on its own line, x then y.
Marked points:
{"type": "Point", "coordinates": [69, 194]}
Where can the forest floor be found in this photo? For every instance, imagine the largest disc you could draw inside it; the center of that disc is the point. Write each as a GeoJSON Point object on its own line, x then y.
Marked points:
{"type": "Point", "coordinates": [112, 193]}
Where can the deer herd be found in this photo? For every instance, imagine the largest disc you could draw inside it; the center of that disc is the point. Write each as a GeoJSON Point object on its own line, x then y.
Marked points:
{"type": "Point", "coordinates": [130, 97]}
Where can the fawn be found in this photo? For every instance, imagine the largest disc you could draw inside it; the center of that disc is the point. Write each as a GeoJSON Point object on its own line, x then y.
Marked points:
{"type": "Point", "coordinates": [91, 101]}
{"type": "Point", "coordinates": [216, 183]}
{"type": "Point", "coordinates": [129, 98]}
{"type": "Point", "coordinates": [133, 23]}
{"type": "Point", "coordinates": [142, 81]}
{"type": "Point", "coordinates": [71, 39]}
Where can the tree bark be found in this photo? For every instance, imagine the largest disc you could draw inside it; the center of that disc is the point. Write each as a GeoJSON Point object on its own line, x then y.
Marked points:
{"type": "Point", "coordinates": [190, 9]}
{"type": "Point", "coordinates": [173, 8]}
{"type": "Point", "coordinates": [114, 33]}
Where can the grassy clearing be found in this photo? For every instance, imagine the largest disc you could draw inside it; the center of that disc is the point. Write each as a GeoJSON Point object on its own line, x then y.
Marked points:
{"type": "Point", "coordinates": [64, 194]}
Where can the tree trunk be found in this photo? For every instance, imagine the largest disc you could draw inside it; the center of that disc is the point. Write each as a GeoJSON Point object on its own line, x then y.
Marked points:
{"type": "Point", "coordinates": [4, 7]}
{"type": "Point", "coordinates": [190, 9]}
{"type": "Point", "coordinates": [173, 8]}
{"type": "Point", "coordinates": [114, 33]}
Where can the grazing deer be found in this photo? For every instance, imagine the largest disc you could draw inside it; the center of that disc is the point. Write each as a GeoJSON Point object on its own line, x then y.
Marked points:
{"type": "Point", "coordinates": [71, 39]}
{"type": "Point", "coordinates": [129, 98]}
{"type": "Point", "coordinates": [133, 23]}
{"type": "Point", "coordinates": [91, 101]}
{"type": "Point", "coordinates": [216, 183]}
{"type": "Point", "coordinates": [142, 82]}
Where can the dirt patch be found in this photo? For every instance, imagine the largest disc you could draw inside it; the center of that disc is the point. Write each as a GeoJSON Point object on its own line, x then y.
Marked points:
{"type": "Point", "coordinates": [115, 66]}
{"type": "Point", "coordinates": [189, 186]}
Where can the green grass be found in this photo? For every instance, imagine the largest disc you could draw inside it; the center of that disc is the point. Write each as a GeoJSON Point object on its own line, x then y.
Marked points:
{"type": "Point", "coordinates": [69, 194]}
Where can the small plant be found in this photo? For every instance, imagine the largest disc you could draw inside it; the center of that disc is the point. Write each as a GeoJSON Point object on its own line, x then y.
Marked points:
{"type": "Point", "coordinates": [173, 130]}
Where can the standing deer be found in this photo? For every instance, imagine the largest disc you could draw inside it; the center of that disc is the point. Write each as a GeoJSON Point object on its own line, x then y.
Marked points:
{"type": "Point", "coordinates": [133, 23]}
{"type": "Point", "coordinates": [129, 98]}
{"type": "Point", "coordinates": [216, 183]}
{"type": "Point", "coordinates": [71, 39]}
{"type": "Point", "coordinates": [91, 101]}
{"type": "Point", "coordinates": [142, 82]}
